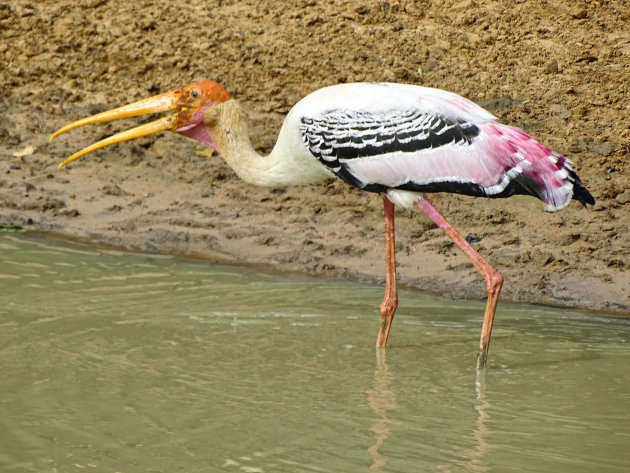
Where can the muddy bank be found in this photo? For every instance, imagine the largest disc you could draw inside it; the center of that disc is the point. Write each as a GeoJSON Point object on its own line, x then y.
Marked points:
{"type": "Point", "coordinates": [560, 71]}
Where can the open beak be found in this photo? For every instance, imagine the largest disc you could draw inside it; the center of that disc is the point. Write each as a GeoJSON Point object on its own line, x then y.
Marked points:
{"type": "Point", "coordinates": [159, 103]}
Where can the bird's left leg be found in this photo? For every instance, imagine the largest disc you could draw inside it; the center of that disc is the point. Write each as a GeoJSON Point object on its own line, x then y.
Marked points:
{"type": "Point", "coordinates": [492, 277]}
{"type": "Point", "coordinates": [390, 301]}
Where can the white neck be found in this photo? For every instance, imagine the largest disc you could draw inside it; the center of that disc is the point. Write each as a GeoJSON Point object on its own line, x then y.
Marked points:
{"type": "Point", "coordinates": [288, 163]}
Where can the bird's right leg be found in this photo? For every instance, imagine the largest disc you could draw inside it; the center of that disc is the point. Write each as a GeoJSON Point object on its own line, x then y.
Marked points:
{"type": "Point", "coordinates": [390, 301]}
{"type": "Point", "coordinates": [493, 279]}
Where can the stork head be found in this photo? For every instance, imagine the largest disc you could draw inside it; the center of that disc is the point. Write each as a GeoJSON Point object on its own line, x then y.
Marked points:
{"type": "Point", "coordinates": [190, 102]}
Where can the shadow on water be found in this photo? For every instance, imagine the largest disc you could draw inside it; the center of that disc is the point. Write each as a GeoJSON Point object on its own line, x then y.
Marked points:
{"type": "Point", "coordinates": [121, 362]}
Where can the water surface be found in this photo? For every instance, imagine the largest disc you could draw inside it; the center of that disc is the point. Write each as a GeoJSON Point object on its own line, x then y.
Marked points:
{"type": "Point", "coordinates": [116, 362]}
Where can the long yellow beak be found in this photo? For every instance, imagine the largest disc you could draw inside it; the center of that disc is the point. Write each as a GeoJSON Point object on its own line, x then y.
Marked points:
{"type": "Point", "coordinates": [159, 103]}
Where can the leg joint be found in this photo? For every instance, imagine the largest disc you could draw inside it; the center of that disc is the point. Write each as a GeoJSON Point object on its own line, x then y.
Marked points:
{"type": "Point", "coordinates": [494, 282]}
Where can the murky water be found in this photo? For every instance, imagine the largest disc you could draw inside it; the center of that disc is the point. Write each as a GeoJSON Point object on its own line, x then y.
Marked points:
{"type": "Point", "coordinates": [112, 362]}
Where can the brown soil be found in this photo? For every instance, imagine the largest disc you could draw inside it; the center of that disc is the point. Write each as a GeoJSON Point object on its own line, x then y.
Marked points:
{"type": "Point", "coordinates": [560, 70]}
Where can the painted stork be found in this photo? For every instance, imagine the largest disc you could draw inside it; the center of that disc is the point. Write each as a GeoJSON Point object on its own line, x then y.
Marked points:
{"type": "Point", "coordinates": [397, 140]}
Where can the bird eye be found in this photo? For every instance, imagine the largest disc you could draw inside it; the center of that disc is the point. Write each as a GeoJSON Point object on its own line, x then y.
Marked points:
{"type": "Point", "coordinates": [195, 94]}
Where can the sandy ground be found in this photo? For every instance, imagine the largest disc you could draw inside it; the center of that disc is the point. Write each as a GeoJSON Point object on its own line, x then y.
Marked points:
{"type": "Point", "coordinates": [560, 70]}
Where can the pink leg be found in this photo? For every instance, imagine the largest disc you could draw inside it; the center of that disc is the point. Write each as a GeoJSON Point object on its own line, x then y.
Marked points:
{"type": "Point", "coordinates": [390, 301]}
{"type": "Point", "coordinates": [492, 277]}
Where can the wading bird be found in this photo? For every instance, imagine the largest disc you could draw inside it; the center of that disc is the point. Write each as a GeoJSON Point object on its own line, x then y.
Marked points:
{"type": "Point", "coordinates": [397, 140]}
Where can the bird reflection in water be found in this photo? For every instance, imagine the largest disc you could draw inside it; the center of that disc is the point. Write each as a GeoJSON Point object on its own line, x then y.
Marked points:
{"type": "Point", "coordinates": [482, 447]}
{"type": "Point", "coordinates": [382, 399]}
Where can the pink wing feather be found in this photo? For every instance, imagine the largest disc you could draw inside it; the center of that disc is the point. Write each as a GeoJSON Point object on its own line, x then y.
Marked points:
{"type": "Point", "coordinates": [429, 140]}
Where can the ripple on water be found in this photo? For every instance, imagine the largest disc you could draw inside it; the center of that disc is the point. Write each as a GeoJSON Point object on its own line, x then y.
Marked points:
{"type": "Point", "coordinates": [119, 362]}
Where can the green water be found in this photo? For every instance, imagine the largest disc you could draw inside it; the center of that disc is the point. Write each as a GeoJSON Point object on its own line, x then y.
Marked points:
{"type": "Point", "coordinates": [111, 362]}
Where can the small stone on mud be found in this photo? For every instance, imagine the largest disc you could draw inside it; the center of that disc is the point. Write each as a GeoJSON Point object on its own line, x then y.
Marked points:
{"type": "Point", "coordinates": [552, 67]}
{"type": "Point", "coordinates": [624, 197]}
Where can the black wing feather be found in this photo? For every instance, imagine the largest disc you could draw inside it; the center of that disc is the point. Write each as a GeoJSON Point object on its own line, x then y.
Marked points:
{"type": "Point", "coordinates": [338, 136]}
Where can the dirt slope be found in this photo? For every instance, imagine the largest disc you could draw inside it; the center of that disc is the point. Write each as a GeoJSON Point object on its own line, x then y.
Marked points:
{"type": "Point", "coordinates": [561, 70]}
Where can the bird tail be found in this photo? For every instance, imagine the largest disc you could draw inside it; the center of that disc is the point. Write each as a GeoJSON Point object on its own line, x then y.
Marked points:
{"type": "Point", "coordinates": [540, 171]}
